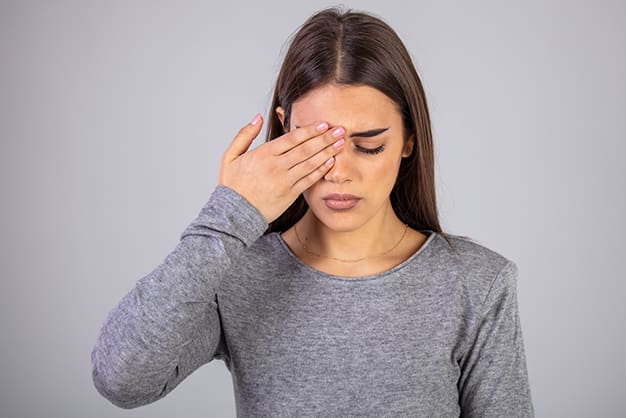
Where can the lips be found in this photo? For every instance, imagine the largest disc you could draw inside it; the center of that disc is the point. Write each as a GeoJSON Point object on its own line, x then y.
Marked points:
{"type": "Point", "coordinates": [338, 201]}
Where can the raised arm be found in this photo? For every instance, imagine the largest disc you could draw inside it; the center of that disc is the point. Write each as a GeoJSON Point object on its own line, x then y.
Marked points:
{"type": "Point", "coordinates": [168, 325]}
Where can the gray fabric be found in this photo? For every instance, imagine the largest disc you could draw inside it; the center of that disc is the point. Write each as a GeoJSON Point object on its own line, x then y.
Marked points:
{"type": "Point", "coordinates": [437, 336]}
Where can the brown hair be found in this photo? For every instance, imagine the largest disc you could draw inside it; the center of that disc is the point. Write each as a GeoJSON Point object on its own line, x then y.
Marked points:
{"type": "Point", "coordinates": [359, 49]}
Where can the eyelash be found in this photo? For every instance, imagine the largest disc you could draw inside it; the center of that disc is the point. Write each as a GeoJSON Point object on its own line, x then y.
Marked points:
{"type": "Point", "coordinates": [376, 150]}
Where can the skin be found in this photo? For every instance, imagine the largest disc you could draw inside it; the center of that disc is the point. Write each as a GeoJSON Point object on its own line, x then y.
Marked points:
{"type": "Point", "coordinates": [371, 227]}
{"type": "Point", "coordinates": [271, 176]}
{"type": "Point", "coordinates": [319, 154]}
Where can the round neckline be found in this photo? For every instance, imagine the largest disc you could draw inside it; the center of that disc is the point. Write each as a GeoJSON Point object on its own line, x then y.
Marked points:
{"type": "Point", "coordinates": [374, 276]}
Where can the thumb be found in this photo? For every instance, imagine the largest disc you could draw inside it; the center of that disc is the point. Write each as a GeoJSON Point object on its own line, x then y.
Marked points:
{"type": "Point", "coordinates": [244, 138]}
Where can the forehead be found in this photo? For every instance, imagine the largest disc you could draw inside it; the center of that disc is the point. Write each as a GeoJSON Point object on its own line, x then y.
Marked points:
{"type": "Point", "coordinates": [345, 105]}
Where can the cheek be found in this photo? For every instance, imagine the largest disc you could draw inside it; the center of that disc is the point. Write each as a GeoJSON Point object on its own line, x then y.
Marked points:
{"type": "Point", "coordinates": [383, 171]}
{"type": "Point", "coordinates": [310, 192]}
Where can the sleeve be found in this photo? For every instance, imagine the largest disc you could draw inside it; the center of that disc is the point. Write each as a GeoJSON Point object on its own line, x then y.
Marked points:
{"type": "Point", "coordinates": [494, 377]}
{"type": "Point", "coordinates": [168, 325]}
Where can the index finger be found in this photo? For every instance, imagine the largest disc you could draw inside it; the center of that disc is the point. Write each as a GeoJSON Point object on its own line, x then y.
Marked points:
{"type": "Point", "coordinates": [292, 139]}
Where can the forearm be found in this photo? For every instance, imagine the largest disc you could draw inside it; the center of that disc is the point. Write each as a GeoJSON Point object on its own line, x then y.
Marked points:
{"type": "Point", "coordinates": [167, 325]}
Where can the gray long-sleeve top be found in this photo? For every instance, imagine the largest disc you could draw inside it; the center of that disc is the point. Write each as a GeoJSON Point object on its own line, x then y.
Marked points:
{"type": "Point", "coordinates": [437, 335]}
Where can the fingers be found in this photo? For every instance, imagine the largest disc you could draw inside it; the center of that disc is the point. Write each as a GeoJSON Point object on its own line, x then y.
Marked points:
{"type": "Point", "coordinates": [244, 138]}
{"type": "Point", "coordinates": [297, 136]}
{"type": "Point", "coordinates": [309, 148]}
{"type": "Point", "coordinates": [312, 177]}
{"type": "Point", "coordinates": [316, 162]}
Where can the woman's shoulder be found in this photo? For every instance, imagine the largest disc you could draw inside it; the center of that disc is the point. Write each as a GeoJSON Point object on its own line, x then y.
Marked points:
{"type": "Point", "coordinates": [471, 260]}
{"type": "Point", "coordinates": [466, 248]}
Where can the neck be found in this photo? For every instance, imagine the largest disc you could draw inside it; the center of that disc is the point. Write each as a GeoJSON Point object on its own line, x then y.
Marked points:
{"type": "Point", "coordinates": [374, 238]}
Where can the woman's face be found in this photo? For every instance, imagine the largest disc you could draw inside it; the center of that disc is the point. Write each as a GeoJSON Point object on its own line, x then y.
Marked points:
{"type": "Point", "coordinates": [356, 190]}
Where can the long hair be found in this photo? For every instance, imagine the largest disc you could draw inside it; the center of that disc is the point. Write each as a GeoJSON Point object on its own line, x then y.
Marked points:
{"type": "Point", "coordinates": [355, 48]}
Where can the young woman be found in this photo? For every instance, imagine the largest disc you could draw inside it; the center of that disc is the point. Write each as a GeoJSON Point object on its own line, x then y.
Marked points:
{"type": "Point", "coordinates": [317, 270]}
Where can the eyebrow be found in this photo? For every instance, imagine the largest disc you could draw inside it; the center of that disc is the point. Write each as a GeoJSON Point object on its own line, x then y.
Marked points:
{"type": "Point", "coordinates": [365, 134]}
{"type": "Point", "coordinates": [368, 134]}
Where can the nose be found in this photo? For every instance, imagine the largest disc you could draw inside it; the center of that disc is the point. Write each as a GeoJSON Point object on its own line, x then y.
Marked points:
{"type": "Point", "coordinates": [341, 171]}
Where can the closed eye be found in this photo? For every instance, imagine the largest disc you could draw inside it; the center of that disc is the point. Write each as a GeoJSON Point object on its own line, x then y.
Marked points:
{"type": "Point", "coordinates": [365, 150]}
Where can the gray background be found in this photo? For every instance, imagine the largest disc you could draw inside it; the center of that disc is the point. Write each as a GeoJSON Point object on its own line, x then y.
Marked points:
{"type": "Point", "coordinates": [114, 114]}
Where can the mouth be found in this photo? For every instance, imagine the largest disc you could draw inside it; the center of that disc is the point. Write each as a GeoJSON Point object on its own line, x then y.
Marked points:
{"type": "Point", "coordinates": [338, 201]}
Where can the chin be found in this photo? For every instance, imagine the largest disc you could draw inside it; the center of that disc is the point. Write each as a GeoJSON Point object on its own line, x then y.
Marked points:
{"type": "Point", "coordinates": [339, 221]}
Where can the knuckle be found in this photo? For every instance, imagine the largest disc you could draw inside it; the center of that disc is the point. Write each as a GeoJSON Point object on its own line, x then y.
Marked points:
{"type": "Point", "coordinates": [307, 149]}
{"type": "Point", "coordinates": [330, 150]}
{"type": "Point", "coordinates": [298, 137]}
{"type": "Point", "coordinates": [272, 147]}
{"type": "Point", "coordinates": [314, 163]}
{"type": "Point", "coordinates": [285, 142]}
{"type": "Point", "coordinates": [329, 138]}
{"type": "Point", "coordinates": [239, 137]}
{"type": "Point", "coordinates": [305, 167]}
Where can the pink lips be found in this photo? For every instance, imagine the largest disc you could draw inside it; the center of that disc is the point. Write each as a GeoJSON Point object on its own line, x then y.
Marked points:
{"type": "Point", "coordinates": [338, 201]}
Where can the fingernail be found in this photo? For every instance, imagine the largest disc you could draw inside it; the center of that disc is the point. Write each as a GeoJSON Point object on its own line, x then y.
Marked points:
{"type": "Point", "coordinates": [330, 161]}
{"type": "Point", "coordinates": [339, 143]}
{"type": "Point", "coordinates": [255, 120]}
{"type": "Point", "coordinates": [322, 127]}
{"type": "Point", "coordinates": [338, 132]}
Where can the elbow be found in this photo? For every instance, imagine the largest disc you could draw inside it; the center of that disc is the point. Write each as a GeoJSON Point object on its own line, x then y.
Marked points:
{"type": "Point", "coordinates": [115, 391]}
{"type": "Point", "coordinates": [120, 390]}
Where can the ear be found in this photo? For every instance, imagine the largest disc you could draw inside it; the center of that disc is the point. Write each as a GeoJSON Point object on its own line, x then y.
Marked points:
{"type": "Point", "coordinates": [280, 112]}
{"type": "Point", "coordinates": [408, 146]}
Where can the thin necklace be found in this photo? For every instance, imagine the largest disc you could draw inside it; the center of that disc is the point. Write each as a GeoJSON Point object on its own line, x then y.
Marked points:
{"type": "Point", "coordinates": [343, 260]}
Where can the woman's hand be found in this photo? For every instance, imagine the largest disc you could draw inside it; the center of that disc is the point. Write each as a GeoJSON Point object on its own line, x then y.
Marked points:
{"type": "Point", "coordinates": [272, 175]}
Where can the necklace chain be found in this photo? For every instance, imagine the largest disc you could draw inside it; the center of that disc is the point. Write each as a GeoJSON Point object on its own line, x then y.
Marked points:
{"type": "Point", "coordinates": [343, 260]}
